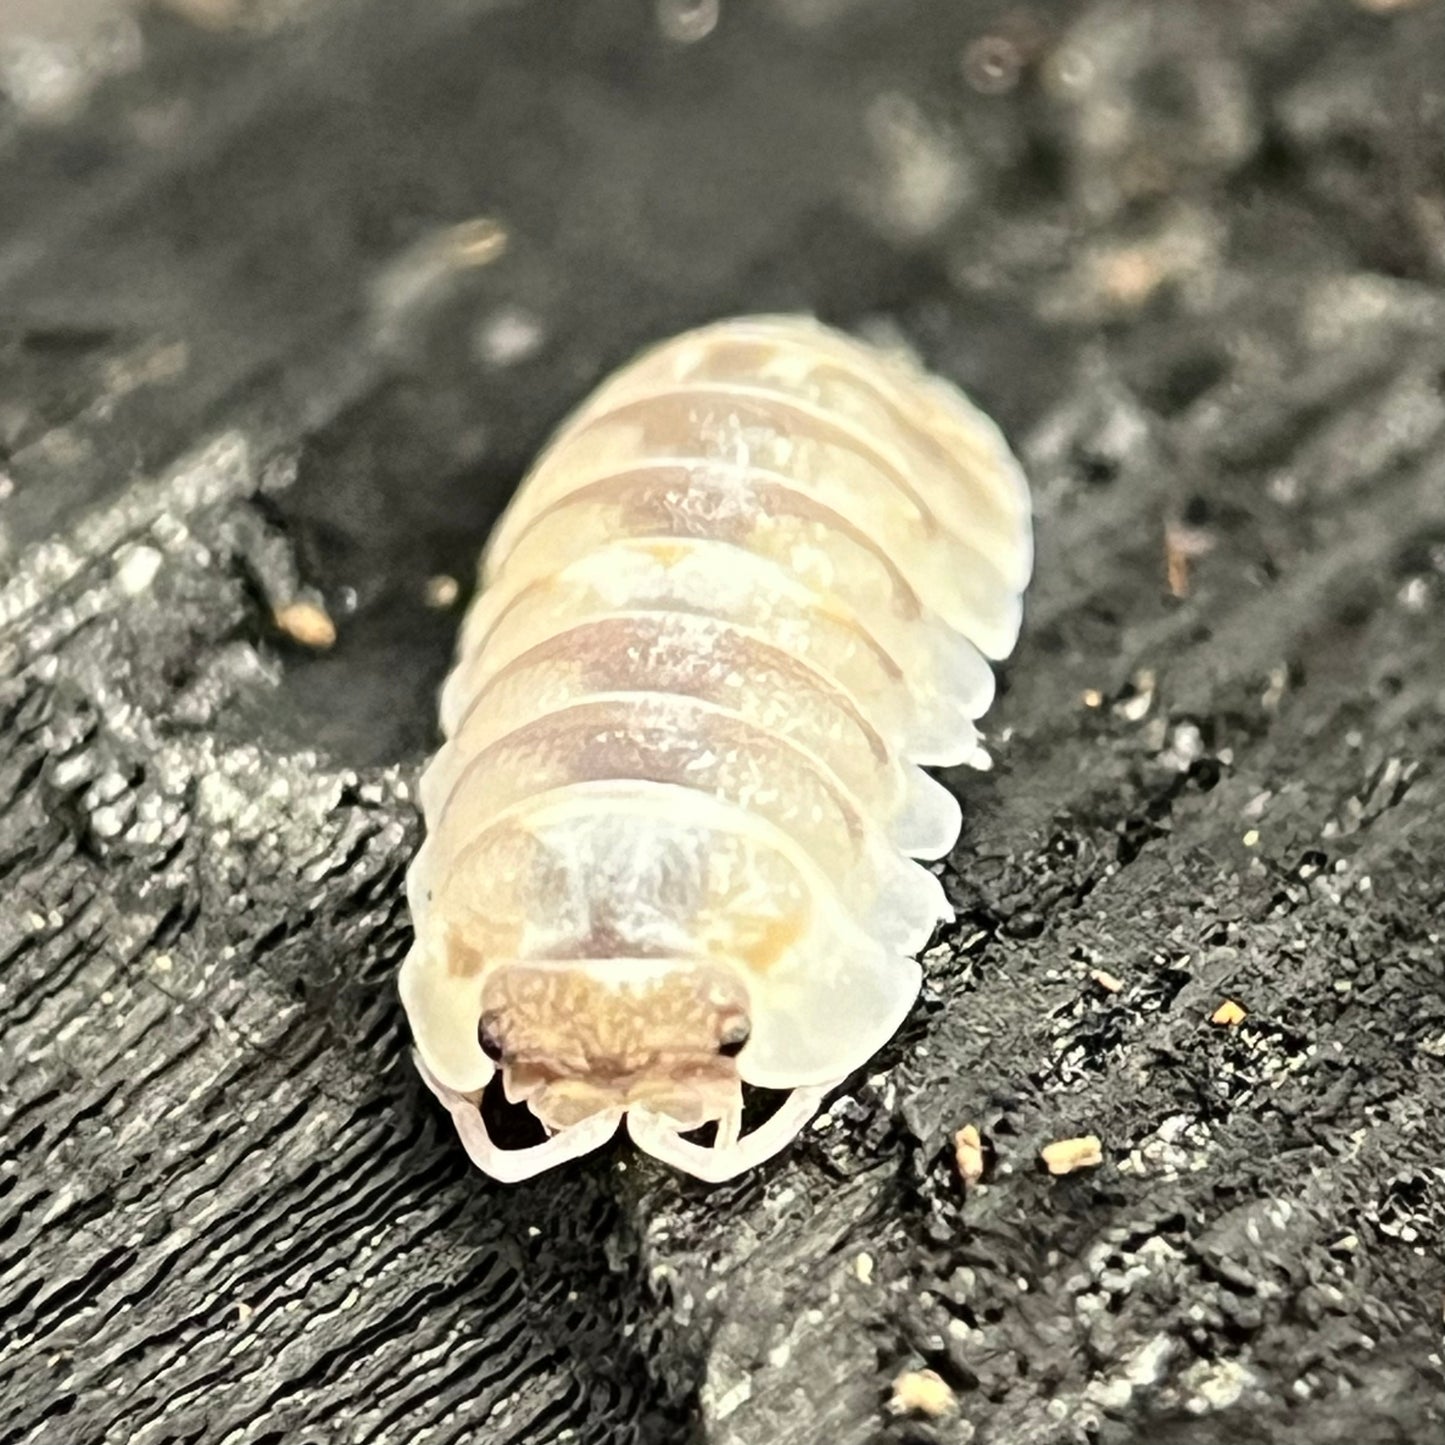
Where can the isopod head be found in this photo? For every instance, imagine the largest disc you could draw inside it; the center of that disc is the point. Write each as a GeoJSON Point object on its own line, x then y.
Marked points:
{"type": "Point", "coordinates": [584, 1044]}
{"type": "Point", "coordinates": [577, 1039]}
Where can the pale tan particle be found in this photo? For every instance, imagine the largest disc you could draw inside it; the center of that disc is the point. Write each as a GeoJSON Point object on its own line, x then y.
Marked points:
{"type": "Point", "coordinates": [1136, 708]}
{"type": "Point", "coordinates": [968, 1154]}
{"type": "Point", "coordinates": [1064, 1156]}
{"type": "Point", "coordinates": [1176, 571]}
{"type": "Point", "coordinates": [685, 22]}
{"type": "Point", "coordinates": [423, 273]}
{"type": "Point", "coordinates": [1107, 981]}
{"type": "Point", "coordinates": [508, 337]}
{"type": "Point", "coordinates": [442, 591]}
{"type": "Point", "coordinates": [1227, 1014]}
{"type": "Point", "coordinates": [136, 569]}
{"type": "Point", "coordinates": [922, 1392]}
{"type": "Point", "coordinates": [1130, 275]}
{"type": "Point", "coordinates": [1091, 697]}
{"type": "Point", "coordinates": [1272, 696]}
{"type": "Point", "coordinates": [477, 242]}
{"type": "Point", "coordinates": [1251, 838]}
{"type": "Point", "coordinates": [1182, 545]}
{"type": "Point", "coordinates": [307, 623]}
{"type": "Point", "coordinates": [991, 65]}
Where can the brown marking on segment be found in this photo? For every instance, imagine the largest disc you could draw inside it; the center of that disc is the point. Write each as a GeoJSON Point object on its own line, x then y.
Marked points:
{"type": "Point", "coordinates": [464, 959]}
{"type": "Point", "coordinates": [785, 416]}
{"type": "Point", "coordinates": [910, 416]}
{"type": "Point", "coordinates": [672, 664]}
{"type": "Point", "coordinates": [825, 607]}
{"type": "Point", "coordinates": [762, 943]}
{"type": "Point", "coordinates": [669, 554]}
{"type": "Point", "coordinates": [623, 740]}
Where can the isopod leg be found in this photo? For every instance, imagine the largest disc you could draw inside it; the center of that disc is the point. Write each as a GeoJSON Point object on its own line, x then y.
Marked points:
{"type": "Point", "coordinates": [730, 1156]}
{"type": "Point", "coordinates": [511, 1166]}
{"type": "Point", "coordinates": [729, 1127]}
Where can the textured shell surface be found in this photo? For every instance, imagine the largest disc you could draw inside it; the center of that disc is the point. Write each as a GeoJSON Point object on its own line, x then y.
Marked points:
{"type": "Point", "coordinates": [749, 591]}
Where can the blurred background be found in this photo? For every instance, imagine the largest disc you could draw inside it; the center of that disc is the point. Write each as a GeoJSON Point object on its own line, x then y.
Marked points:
{"type": "Point", "coordinates": [402, 240]}
{"type": "Point", "coordinates": [291, 291]}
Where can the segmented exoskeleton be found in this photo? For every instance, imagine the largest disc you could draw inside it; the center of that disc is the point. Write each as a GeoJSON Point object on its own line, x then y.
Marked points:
{"type": "Point", "coordinates": [745, 594]}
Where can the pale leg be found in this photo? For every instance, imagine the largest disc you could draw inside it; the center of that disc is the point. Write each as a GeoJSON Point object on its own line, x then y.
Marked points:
{"type": "Point", "coordinates": [730, 1156]}
{"type": "Point", "coordinates": [511, 1166]}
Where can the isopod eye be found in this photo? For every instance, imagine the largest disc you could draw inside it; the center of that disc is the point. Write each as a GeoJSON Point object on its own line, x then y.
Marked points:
{"type": "Point", "coordinates": [734, 1037]}
{"type": "Point", "coordinates": [489, 1038]}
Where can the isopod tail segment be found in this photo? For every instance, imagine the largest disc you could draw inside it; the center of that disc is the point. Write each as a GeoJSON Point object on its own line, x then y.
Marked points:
{"type": "Point", "coordinates": [731, 1153]}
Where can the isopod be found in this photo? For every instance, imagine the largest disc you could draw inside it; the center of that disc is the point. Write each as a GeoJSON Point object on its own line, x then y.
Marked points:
{"type": "Point", "coordinates": [747, 593]}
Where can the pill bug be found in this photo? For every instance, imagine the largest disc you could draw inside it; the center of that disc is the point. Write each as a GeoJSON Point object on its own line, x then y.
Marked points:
{"type": "Point", "coordinates": [745, 595]}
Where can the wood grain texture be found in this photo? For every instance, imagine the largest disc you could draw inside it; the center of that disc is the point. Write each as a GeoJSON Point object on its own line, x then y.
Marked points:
{"type": "Point", "coordinates": [229, 382]}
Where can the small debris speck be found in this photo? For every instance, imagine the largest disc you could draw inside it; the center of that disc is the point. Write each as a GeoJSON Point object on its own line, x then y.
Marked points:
{"type": "Point", "coordinates": [1227, 1014]}
{"type": "Point", "coordinates": [1182, 545]}
{"type": "Point", "coordinates": [1273, 695]}
{"type": "Point", "coordinates": [1251, 838]}
{"type": "Point", "coordinates": [1107, 981]}
{"type": "Point", "coordinates": [922, 1392]}
{"type": "Point", "coordinates": [991, 65]}
{"type": "Point", "coordinates": [685, 22]}
{"type": "Point", "coordinates": [1136, 707]}
{"type": "Point", "coordinates": [442, 591]}
{"type": "Point", "coordinates": [508, 337]}
{"type": "Point", "coordinates": [307, 623]}
{"type": "Point", "coordinates": [1415, 595]}
{"type": "Point", "coordinates": [136, 569]}
{"type": "Point", "coordinates": [1064, 1156]}
{"type": "Point", "coordinates": [477, 242]}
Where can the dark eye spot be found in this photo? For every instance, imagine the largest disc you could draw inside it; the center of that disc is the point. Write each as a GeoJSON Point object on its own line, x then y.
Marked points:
{"type": "Point", "coordinates": [733, 1039]}
{"type": "Point", "coordinates": [489, 1039]}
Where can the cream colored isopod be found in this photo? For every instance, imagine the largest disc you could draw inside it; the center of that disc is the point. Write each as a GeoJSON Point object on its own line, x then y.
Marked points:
{"type": "Point", "coordinates": [745, 594]}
